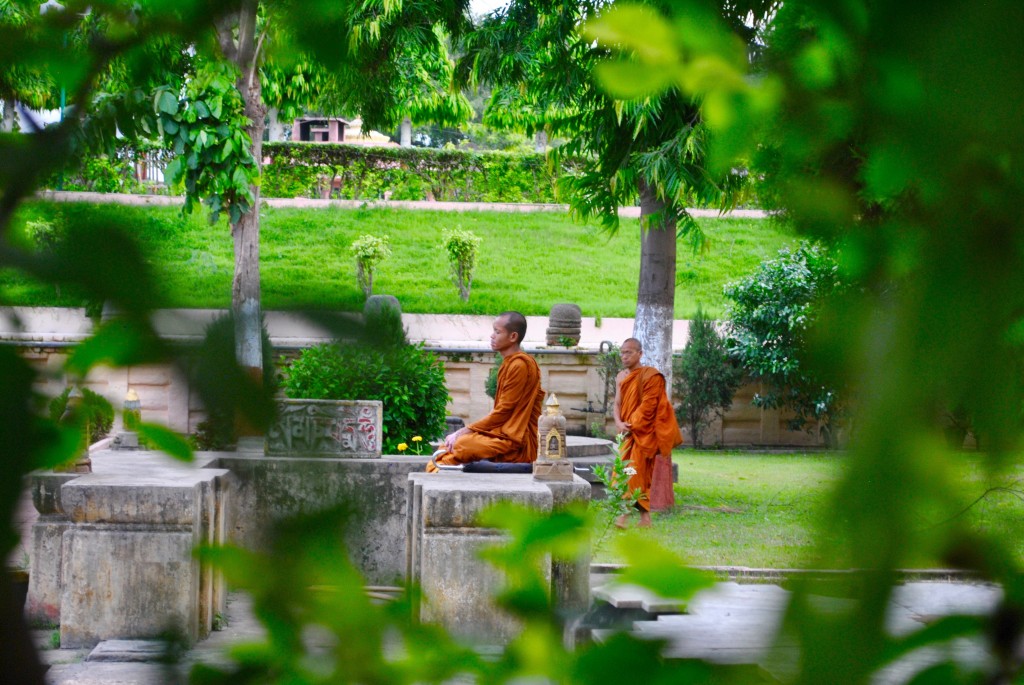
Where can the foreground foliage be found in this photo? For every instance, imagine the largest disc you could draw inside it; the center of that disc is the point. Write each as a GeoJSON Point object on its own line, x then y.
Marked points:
{"type": "Point", "coordinates": [893, 140]}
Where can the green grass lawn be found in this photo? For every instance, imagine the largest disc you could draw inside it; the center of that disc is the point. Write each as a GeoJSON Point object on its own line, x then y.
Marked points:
{"type": "Point", "coordinates": [527, 261]}
{"type": "Point", "coordinates": [763, 510]}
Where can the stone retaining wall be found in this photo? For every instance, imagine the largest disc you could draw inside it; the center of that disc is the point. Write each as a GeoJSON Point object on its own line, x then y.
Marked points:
{"type": "Point", "coordinates": [167, 397]}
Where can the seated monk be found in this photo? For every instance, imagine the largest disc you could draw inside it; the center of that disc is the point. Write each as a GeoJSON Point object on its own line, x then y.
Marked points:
{"type": "Point", "coordinates": [644, 413]}
{"type": "Point", "coordinates": [509, 433]}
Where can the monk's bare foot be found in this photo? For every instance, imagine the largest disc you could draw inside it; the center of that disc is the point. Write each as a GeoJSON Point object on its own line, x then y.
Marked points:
{"type": "Point", "coordinates": [620, 522]}
{"type": "Point", "coordinates": [645, 520]}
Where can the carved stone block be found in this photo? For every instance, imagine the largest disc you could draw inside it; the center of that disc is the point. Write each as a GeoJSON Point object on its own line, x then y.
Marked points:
{"type": "Point", "coordinates": [327, 428]}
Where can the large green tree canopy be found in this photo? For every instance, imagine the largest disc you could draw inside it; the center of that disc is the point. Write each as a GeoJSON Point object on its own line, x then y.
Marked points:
{"type": "Point", "coordinates": [636, 145]}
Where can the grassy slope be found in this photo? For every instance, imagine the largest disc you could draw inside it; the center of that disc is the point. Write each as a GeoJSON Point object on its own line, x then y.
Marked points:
{"type": "Point", "coordinates": [527, 261]}
{"type": "Point", "coordinates": [763, 510]}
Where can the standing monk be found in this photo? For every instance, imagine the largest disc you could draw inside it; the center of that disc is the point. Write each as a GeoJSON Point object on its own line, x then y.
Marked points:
{"type": "Point", "coordinates": [644, 413]}
{"type": "Point", "coordinates": [509, 432]}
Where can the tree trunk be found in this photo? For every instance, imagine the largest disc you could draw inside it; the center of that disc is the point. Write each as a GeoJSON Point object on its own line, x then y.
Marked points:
{"type": "Point", "coordinates": [540, 142]}
{"type": "Point", "coordinates": [405, 133]}
{"type": "Point", "coordinates": [655, 300]}
{"type": "Point", "coordinates": [10, 118]}
{"type": "Point", "coordinates": [245, 286]}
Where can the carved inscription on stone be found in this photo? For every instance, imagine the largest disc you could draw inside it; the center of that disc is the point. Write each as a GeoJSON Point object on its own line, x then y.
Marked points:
{"type": "Point", "coordinates": [326, 428]}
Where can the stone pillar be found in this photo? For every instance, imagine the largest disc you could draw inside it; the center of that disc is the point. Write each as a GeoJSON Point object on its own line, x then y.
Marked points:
{"type": "Point", "coordinates": [444, 539]}
{"type": "Point", "coordinates": [127, 569]}
{"type": "Point", "coordinates": [42, 605]}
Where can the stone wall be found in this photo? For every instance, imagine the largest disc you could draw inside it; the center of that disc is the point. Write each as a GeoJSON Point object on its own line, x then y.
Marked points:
{"type": "Point", "coordinates": [167, 398]}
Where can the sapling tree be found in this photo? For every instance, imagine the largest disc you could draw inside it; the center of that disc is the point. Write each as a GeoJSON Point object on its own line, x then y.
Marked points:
{"type": "Point", "coordinates": [461, 247]}
{"type": "Point", "coordinates": [369, 251]}
{"type": "Point", "coordinates": [704, 381]}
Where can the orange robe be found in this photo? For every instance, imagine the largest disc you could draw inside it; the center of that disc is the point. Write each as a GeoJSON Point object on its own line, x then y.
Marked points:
{"type": "Point", "coordinates": [509, 432]}
{"type": "Point", "coordinates": [644, 404]}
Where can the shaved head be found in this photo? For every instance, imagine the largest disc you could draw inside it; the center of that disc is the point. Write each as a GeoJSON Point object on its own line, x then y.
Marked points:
{"type": "Point", "coordinates": [630, 353]}
{"type": "Point", "coordinates": [514, 322]}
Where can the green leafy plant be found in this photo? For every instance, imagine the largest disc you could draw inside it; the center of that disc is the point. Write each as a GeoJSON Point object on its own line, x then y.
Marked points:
{"type": "Point", "coordinates": [369, 251]}
{"type": "Point", "coordinates": [46, 237]}
{"type": "Point", "coordinates": [407, 379]}
{"type": "Point", "coordinates": [703, 379]}
{"type": "Point", "coordinates": [104, 174]}
{"type": "Point", "coordinates": [94, 414]}
{"type": "Point", "coordinates": [461, 247]}
{"type": "Point", "coordinates": [44, 234]}
{"type": "Point", "coordinates": [619, 500]}
{"type": "Point", "coordinates": [368, 173]}
{"type": "Point", "coordinates": [566, 341]}
{"type": "Point", "coordinates": [770, 317]}
{"type": "Point", "coordinates": [417, 445]}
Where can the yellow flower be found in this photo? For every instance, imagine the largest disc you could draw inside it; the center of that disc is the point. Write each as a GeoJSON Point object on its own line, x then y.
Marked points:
{"type": "Point", "coordinates": [417, 438]}
{"type": "Point", "coordinates": [402, 447]}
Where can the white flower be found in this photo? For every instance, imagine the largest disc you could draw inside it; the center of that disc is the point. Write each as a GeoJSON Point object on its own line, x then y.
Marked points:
{"type": "Point", "coordinates": [629, 471]}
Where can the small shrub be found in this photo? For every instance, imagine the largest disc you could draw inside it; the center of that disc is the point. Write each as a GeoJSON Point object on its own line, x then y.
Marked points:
{"type": "Point", "coordinates": [95, 411]}
{"type": "Point", "coordinates": [215, 375]}
{"type": "Point", "coordinates": [44, 235]}
{"type": "Point", "coordinates": [383, 325]}
{"type": "Point", "coordinates": [703, 379]}
{"type": "Point", "coordinates": [461, 247]}
{"type": "Point", "coordinates": [619, 500]}
{"type": "Point", "coordinates": [369, 251]}
{"type": "Point", "coordinates": [407, 379]}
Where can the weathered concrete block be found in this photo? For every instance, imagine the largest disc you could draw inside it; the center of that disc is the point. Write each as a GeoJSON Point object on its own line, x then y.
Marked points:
{"type": "Point", "coordinates": [445, 538]}
{"type": "Point", "coordinates": [127, 498]}
{"type": "Point", "coordinates": [122, 583]}
{"type": "Point", "coordinates": [267, 489]}
{"type": "Point", "coordinates": [119, 563]}
{"type": "Point", "coordinates": [327, 428]}
{"type": "Point", "coordinates": [46, 487]}
{"type": "Point", "coordinates": [42, 604]}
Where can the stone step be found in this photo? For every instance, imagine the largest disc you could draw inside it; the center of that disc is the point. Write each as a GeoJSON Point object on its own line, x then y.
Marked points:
{"type": "Point", "coordinates": [624, 596]}
{"type": "Point", "coordinates": [129, 651]}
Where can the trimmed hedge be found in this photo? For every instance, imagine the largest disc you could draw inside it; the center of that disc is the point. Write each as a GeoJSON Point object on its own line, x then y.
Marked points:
{"type": "Point", "coordinates": [370, 173]}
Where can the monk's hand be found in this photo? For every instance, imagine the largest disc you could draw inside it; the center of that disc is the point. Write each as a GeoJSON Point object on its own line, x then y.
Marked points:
{"type": "Point", "coordinates": [622, 427]}
{"type": "Point", "coordinates": [449, 440]}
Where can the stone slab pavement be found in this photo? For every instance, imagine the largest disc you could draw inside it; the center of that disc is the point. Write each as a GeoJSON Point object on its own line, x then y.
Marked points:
{"type": "Point", "coordinates": [728, 623]}
{"type": "Point", "coordinates": [732, 623]}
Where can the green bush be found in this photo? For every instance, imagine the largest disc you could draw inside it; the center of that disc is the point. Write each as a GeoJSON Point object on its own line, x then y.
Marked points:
{"type": "Point", "coordinates": [94, 409]}
{"type": "Point", "coordinates": [703, 379]}
{"type": "Point", "coordinates": [407, 379]}
{"type": "Point", "coordinates": [772, 313]}
{"type": "Point", "coordinates": [369, 173]}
